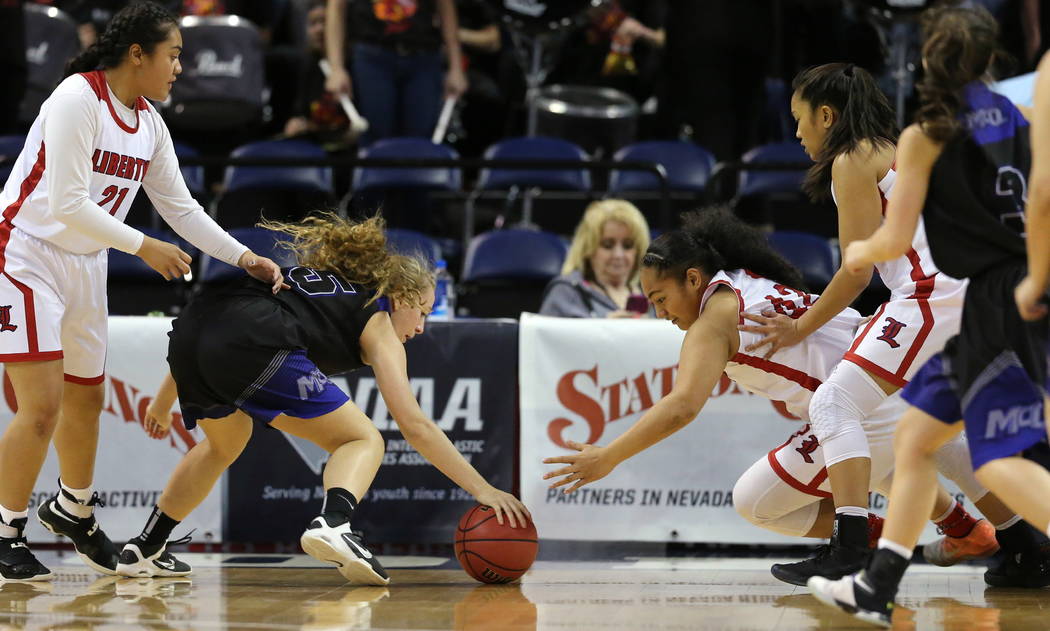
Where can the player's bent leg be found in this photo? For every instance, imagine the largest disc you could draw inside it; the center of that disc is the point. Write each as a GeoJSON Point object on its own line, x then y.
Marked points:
{"type": "Point", "coordinates": [38, 388]}
{"type": "Point", "coordinates": [146, 555]}
{"type": "Point", "coordinates": [357, 451]}
{"type": "Point", "coordinates": [1023, 485]}
{"type": "Point", "coordinates": [762, 497]}
{"type": "Point", "coordinates": [70, 512]}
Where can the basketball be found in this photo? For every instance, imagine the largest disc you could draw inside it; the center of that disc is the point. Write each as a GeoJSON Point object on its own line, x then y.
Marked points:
{"type": "Point", "coordinates": [492, 553]}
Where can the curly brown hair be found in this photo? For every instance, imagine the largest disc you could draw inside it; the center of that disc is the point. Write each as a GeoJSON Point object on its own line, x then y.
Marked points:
{"type": "Point", "coordinates": [959, 48]}
{"type": "Point", "coordinates": [357, 251]}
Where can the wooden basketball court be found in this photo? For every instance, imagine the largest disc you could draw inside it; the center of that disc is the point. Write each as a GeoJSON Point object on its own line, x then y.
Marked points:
{"type": "Point", "coordinates": [284, 592]}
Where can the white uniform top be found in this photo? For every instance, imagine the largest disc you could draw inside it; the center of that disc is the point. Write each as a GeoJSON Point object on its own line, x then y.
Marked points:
{"type": "Point", "coordinates": [85, 157]}
{"type": "Point", "coordinates": [911, 276]}
{"type": "Point", "coordinates": [792, 374]}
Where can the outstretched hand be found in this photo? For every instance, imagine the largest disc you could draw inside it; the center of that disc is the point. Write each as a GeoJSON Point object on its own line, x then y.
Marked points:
{"type": "Point", "coordinates": [778, 331]}
{"type": "Point", "coordinates": [591, 464]}
{"type": "Point", "coordinates": [262, 268]}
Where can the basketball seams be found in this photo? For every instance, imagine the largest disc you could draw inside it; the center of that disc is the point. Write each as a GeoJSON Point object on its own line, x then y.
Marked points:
{"type": "Point", "coordinates": [496, 565]}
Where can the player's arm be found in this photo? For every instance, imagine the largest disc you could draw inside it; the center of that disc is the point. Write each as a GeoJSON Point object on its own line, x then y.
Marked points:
{"type": "Point", "coordinates": [707, 347]}
{"type": "Point", "coordinates": [167, 189]}
{"type": "Point", "coordinates": [855, 177]}
{"type": "Point", "coordinates": [386, 354]}
{"type": "Point", "coordinates": [1030, 291]}
{"type": "Point", "coordinates": [916, 154]}
{"type": "Point", "coordinates": [158, 414]}
{"type": "Point", "coordinates": [338, 81]}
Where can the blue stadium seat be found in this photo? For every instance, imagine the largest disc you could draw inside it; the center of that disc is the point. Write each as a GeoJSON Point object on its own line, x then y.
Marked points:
{"type": "Point", "coordinates": [431, 178]}
{"type": "Point", "coordinates": [412, 242]}
{"type": "Point", "coordinates": [10, 147]}
{"type": "Point", "coordinates": [688, 166]}
{"type": "Point", "coordinates": [756, 182]}
{"type": "Point", "coordinates": [811, 254]}
{"type": "Point", "coordinates": [537, 148]}
{"type": "Point", "coordinates": [506, 271]}
{"type": "Point", "coordinates": [279, 192]}
{"type": "Point", "coordinates": [286, 178]}
{"type": "Point", "coordinates": [194, 176]}
{"type": "Point", "coordinates": [259, 240]}
{"type": "Point", "coordinates": [522, 254]}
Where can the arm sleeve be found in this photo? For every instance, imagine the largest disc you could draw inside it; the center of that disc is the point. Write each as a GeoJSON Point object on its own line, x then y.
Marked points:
{"type": "Point", "coordinates": [69, 132]}
{"type": "Point", "coordinates": [167, 190]}
{"type": "Point", "coordinates": [563, 300]}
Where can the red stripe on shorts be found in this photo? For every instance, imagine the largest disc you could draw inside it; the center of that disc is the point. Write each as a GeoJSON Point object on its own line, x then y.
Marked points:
{"type": "Point", "coordinates": [30, 309]}
{"type": "Point", "coordinates": [810, 489]}
{"type": "Point", "coordinates": [780, 370]}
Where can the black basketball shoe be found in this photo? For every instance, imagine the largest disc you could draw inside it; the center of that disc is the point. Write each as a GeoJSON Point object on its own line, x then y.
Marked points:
{"type": "Point", "coordinates": [1020, 569]}
{"type": "Point", "coordinates": [17, 563]}
{"type": "Point", "coordinates": [144, 560]}
{"type": "Point", "coordinates": [336, 543]}
{"type": "Point", "coordinates": [832, 561]}
{"type": "Point", "coordinates": [93, 546]}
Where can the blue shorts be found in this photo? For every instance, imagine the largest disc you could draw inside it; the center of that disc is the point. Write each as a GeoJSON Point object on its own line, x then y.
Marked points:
{"type": "Point", "coordinates": [1002, 411]}
{"type": "Point", "coordinates": [290, 385]}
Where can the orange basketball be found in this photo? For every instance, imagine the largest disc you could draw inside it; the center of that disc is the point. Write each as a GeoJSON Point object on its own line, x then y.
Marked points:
{"type": "Point", "coordinates": [492, 553]}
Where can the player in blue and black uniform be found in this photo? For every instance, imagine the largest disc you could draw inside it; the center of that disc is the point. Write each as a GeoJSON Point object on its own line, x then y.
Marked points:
{"type": "Point", "coordinates": [964, 166]}
{"type": "Point", "coordinates": [240, 353]}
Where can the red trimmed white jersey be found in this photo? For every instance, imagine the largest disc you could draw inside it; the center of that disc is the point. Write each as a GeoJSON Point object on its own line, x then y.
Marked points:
{"type": "Point", "coordinates": [911, 275]}
{"type": "Point", "coordinates": [924, 310]}
{"type": "Point", "coordinates": [794, 373]}
{"type": "Point", "coordinates": [121, 156]}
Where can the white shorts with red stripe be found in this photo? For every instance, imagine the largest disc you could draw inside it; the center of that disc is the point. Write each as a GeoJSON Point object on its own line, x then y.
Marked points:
{"type": "Point", "coordinates": [53, 306]}
{"type": "Point", "coordinates": [905, 332]}
{"type": "Point", "coordinates": [782, 490]}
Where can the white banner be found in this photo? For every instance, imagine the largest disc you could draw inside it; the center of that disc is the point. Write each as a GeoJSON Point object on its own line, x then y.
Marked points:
{"type": "Point", "coordinates": [588, 380]}
{"type": "Point", "coordinates": [131, 469]}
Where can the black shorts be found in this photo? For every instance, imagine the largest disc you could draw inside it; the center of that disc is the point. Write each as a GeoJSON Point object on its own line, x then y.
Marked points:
{"type": "Point", "coordinates": [991, 374]}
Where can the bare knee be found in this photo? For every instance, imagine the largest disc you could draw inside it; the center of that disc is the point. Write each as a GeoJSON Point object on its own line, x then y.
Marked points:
{"type": "Point", "coordinates": [370, 439]}
{"type": "Point", "coordinates": [40, 416]}
{"type": "Point", "coordinates": [990, 471]}
{"type": "Point", "coordinates": [908, 443]}
{"type": "Point", "coordinates": [229, 447]}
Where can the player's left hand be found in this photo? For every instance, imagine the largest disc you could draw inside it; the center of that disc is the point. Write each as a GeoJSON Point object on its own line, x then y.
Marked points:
{"type": "Point", "coordinates": [262, 268]}
{"type": "Point", "coordinates": [778, 331]}
{"type": "Point", "coordinates": [506, 506]}
{"type": "Point", "coordinates": [1029, 298]}
{"type": "Point", "coordinates": [591, 464]}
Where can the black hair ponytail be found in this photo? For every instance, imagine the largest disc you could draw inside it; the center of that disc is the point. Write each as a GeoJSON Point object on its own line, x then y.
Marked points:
{"type": "Point", "coordinates": [144, 23]}
{"type": "Point", "coordinates": [713, 239]}
{"type": "Point", "coordinates": [863, 112]}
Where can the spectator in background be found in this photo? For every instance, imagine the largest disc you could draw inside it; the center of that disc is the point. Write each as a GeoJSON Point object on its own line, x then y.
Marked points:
{"type": "Point", "coordinates": [317, 111]}
{"type": "Point", "coordinates": [621, 49]}
{"type": "Point", "coordinates": [485, 106]}
{"type": "Point", "coordinates": [397, 61]}
{"type": "Point", "coordinates": [600, 274]}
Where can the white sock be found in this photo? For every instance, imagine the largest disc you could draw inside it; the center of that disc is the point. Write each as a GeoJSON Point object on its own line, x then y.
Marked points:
{"type": "Point", "coordinates": [78, 508]}
{"type": "Point", "coordinates": [945, 514]}
{"type": "Point", "coordinates": [9, 516]}
{"type": "Point", "coordinates": [895, 547]}
{"type": "Point", "coordinates": [1009, 522]}
{"type": "Point", "coordinates": [856, 511]}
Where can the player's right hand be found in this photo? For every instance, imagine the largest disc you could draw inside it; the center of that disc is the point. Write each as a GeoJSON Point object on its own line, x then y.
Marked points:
{"type": "Point", "coordinates": [158, 421]}
{"type": "Point", "coordinates": [505, 504]}
{"type": "Point", "coordinates": [165, 258]}
{"type": "Point", "coordinates": [338, 82]}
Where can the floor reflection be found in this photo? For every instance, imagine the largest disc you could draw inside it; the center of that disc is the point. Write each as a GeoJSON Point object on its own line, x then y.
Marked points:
{"type": "Point", "coordinates": [722, 595]}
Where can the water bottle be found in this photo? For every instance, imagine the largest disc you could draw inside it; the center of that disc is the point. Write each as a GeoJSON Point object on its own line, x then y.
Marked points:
{"type": "Point", "coordinates": [444, 294]}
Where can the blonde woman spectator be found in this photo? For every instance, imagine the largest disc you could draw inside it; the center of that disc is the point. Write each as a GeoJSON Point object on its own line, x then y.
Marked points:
{"type": "Point", "coordinates": [600, 275]}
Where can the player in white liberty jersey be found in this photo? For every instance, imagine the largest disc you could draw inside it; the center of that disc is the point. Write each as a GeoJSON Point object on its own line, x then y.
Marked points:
{"type": "Point", "coordinates": [847, 126]}
{"type": "Point", "coordinates": [94, 143]}
{"type": "Point", "coordinates": [704, 278]}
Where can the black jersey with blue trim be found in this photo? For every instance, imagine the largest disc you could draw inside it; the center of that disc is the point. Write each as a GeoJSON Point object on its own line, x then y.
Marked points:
{"type": "Point", "coordinates": [974, 212]}
{"type": "Point", "coordinates": [322, 313]}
